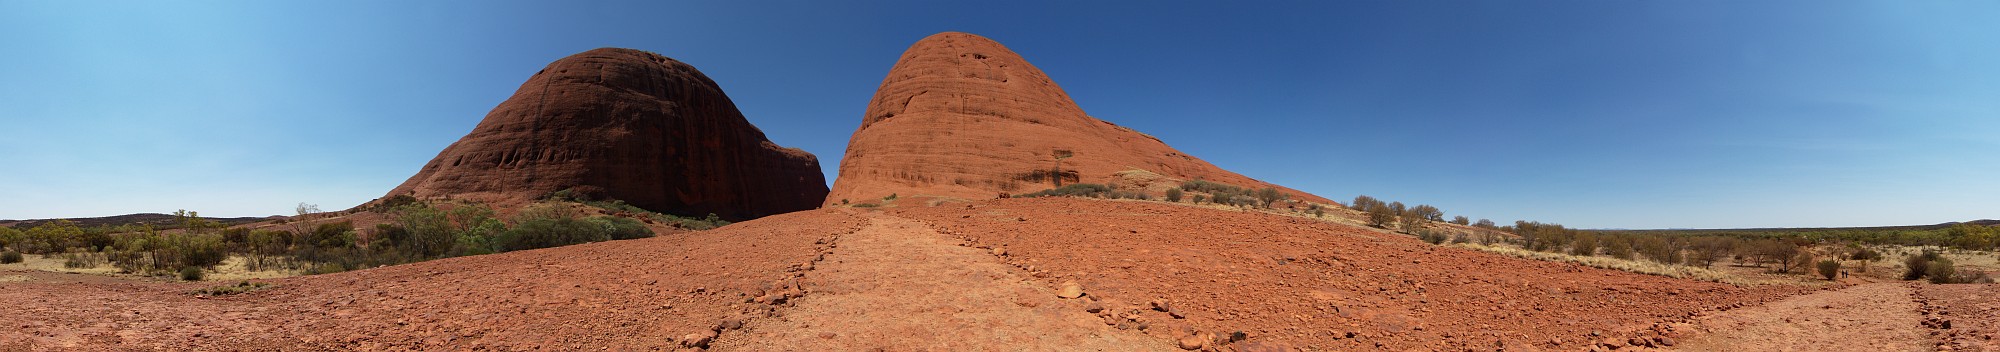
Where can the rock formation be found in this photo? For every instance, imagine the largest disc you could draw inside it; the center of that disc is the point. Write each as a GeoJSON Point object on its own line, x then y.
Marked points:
{"type": "Point", "coordinates": [624, 124]}
{"type": "Point", "coordinates": [961, 116]}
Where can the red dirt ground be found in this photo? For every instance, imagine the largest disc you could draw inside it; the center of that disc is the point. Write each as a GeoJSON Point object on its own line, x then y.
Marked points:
{"type": "Point", "coordinates": [964, 276]}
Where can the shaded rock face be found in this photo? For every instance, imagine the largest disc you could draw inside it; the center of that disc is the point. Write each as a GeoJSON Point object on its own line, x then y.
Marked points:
{"type": "Point", "coordinates": [629, 125]}
{"type": "Point", "coordinates": [961, 116]}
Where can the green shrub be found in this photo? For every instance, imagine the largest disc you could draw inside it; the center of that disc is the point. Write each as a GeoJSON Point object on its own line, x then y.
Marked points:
{"type": "Point", "coordinates": [545, 227]}
{"type": "Point", "coordinates": [1174, 195]}
{"type": "Point", "coordinates": [1074, 190]}
{"type": "Point", "coordinates": [622, 228]}
{"type": "Point", "coordinates": [1829, 268]}
{"type": "Point", "coordinates": [191, 274]}
{"type": "Point", "coordinates": [239, 287]}
{"type": "Point", "coordinates": [1917, 266]}
{"type": "Point", "coordinates": [1940, 271]}
{"type": "Point", "coordinates": [892, 196]}
{"type": "Point", "coordinates": [326, 268]}
{"type": "Point", "coordinates": [712, 221]}
{"type": "Point", "coordinates": [1198, 199]}
{"type": "Point", "coordinates": [331, 235]}
{"type": "Point", "coordinates": [1866, 254]}
{"type": "Point", "coordinates": [10, 257]}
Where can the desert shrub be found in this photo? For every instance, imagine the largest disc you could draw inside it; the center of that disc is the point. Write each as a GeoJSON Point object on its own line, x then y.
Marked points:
{"type": "Point", "coordinates": [544, 227]}
{"type": "Point", "coordinates": [1619, 247]}
{"type": "Point", "coordinates": [191, 274]}
{"type": "Point", "coordinates": [1829, 268]}
{"type": "Point", "coordinates": [1705, 251]}
{"type": "Point", "coordinates": [892, 196]}
{"type": "Point", "coordinates": [1198, 199]}
{"type": "Point", "coordinates": [10, 257]}
{"type": "Point", "coordinates": [1917, 266]}
{"type": "Point", "coordinates": [9, 236]}
{"type": "Point", "coordinates": [1584, 245]}
{"type": "Point", "coordinates": [1866, 254]}
{"type": "Point", "coordinates": [325, 268]}
{"type": "Point", "coordinates": [1174, 195]}
{"type": "Point", "coordinates": [1485, 224]}
{"type": "Point", "coordinates": [1432, 237]}
{"type": "Point", "coordinates": [1379, 215]}
{"type": "Point", "coordinates": [1461, 220]}
{"type": "Point", "coordinates": [239, 287]}
{"type": "Point", "coordinates": [50, 237]}
{"type": "Point", "coordinates": [425, 232]}
{"type": "Point", "coordinates": [1074, 190]}
{"type": "Point", "coordinates": [81, 258]}
{"type": "Point", "coordinates": [1461, 238]}
{"type": "Point", "coordinates": [331, 235]}
{"type": "Point", "coordinates": [1269, 195]}
{"type": "Point", "coordinates": [1940, 271]}
{"type": "Point", "coordinates": [619, 228]}
{"type": "Point", "coordinates": [1426, 212]}
{"type": "Point", "coordinates": [1410, 223]}
{"type": "Point", "coordinates": [1363, 202]}
{"type": "Point", "coordinates": [386, 205]}
{"type": "Point", "coordinates": [867, 205]}
{"type": "Point", "coordinates": [712, 221]}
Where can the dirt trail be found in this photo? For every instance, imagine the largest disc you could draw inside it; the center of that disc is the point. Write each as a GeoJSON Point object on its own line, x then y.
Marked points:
{"type": "Point", "coordinates": [1871, 317]}
{"type": "Point", "coordinates": [900, 286]}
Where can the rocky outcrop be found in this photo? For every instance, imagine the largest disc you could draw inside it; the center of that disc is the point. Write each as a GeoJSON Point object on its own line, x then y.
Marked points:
{"type": "Point", "coordinates": [629, 125]}
{"type": "Point", "coordinates": [961, 116]}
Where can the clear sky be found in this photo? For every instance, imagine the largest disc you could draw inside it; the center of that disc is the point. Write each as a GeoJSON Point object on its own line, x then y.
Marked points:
{"type": "Point", "coordinates": [1597, 114]}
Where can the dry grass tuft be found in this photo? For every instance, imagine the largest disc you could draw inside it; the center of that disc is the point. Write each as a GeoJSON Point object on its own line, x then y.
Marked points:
{"type": "Point", "coordinates": [1633, 266]}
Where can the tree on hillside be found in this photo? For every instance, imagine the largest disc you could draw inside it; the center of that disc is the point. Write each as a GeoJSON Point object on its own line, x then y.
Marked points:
{"type": "Point", "coordinates": [1364, 202]}
{"type": "Point", "coordinates": [1380, 215]}
{"type": "Point", "coordinates": [1461, 220]}
{"type": "Point", "coordinates": [1269, 195]}
{"type": "Point", "coordinates": [1059, 155]}
{"type": "Point", "coordinates": [1485, 224]}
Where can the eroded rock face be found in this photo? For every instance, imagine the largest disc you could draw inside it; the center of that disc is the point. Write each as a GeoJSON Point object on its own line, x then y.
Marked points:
{"type": "Point", "coordinates": [629, 125]}
{"type": "Point", "coordinates": [961, 116]}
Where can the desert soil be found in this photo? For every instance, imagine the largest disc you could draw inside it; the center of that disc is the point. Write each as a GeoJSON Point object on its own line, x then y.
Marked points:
{"type": "Point", "coordinates": [968, 276]}
{"type": "Point", "coordinates": [897, 285]}
{"type": "Point", "coordinates": [1871, 317]}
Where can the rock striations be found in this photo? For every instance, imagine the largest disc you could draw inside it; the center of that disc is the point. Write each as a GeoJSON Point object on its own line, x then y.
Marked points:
{"type": "Point", "coordinates": [961, 116]}
{"type": "Point", "coordinates": [629, 125]}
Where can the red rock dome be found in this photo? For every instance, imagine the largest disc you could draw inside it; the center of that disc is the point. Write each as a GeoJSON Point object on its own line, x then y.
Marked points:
{"type": "Point", "coordinates": [629, 125]}
{"type": "Point", "coordinates": [961, 116]}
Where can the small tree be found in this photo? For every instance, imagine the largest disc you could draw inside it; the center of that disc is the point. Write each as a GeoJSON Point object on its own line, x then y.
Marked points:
{"type": "Point", "coordinates": [1461, 220]}
{"type": "Point", "coordinates": [1059, 155]}
{"type": "Point", "coordinates": [1379, 215]}
{"type": "Point", "coordinates": [1269, 195]}
{"type": "Point", "coordinates": [1829, 268]}
{"type": "Point", "coordinates": [1174, 195]}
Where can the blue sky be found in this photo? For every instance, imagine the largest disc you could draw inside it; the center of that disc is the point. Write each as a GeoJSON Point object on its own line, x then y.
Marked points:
{"type": "Point", "coordinates": [1600, 114]}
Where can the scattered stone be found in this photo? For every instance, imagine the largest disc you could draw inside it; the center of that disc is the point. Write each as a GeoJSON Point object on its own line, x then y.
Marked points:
{"type": "Point", "coordinates": [1093, 307]}
{"type": "Point", "coordinates": [1663, 341]}
{"type": "Point", "coordinates": [1070, 290]}
{"type": "Point", "coordinates": [999, 251]}
{"type": "Point", "coordinates": [730, 324]}
{"type": "Point", "coordinates": [1192, 342]}
{"type": "Point", "coordinates": [698, 339]}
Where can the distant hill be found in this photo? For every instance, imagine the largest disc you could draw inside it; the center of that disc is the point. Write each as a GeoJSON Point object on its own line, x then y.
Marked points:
{"type": "Point", "coordinates": [156, 219]}
{"type": "Point", "coordinates": [1982, 222]}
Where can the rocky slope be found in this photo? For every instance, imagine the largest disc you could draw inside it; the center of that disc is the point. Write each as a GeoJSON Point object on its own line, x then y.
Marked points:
{"type": "Point", "coordinates": [630, 125]}
{"type": "Point", "coordinates": [961, 116]}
